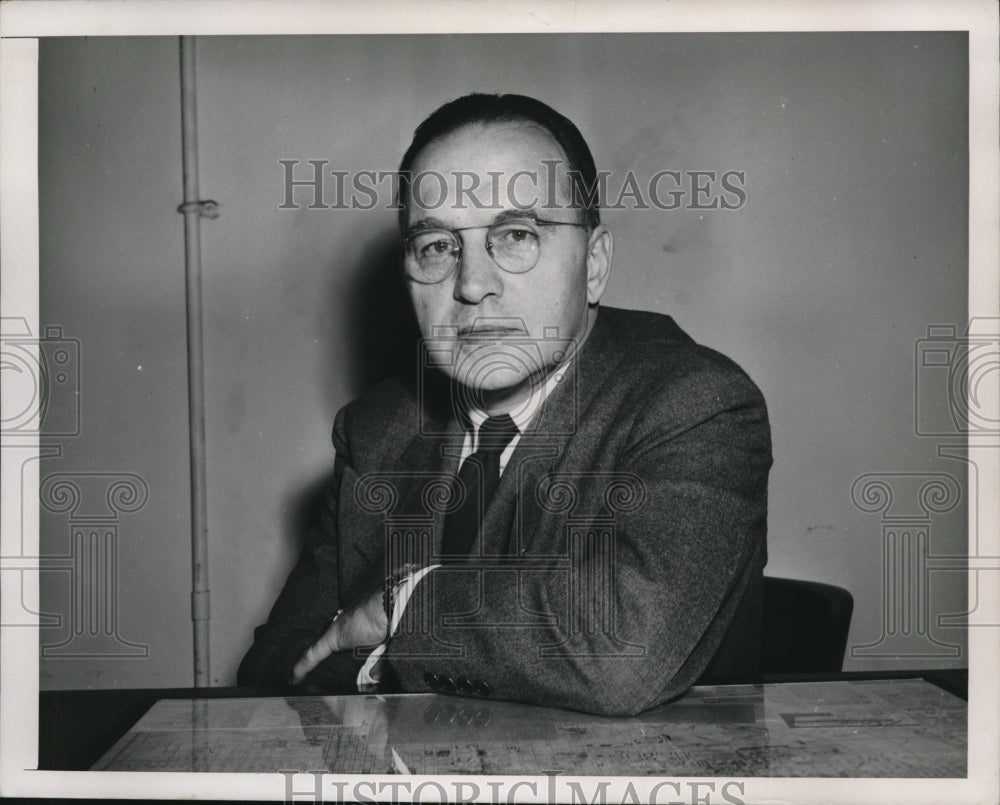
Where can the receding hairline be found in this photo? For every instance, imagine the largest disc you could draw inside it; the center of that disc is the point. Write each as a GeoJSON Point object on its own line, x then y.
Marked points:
{"type": "Point", "coordinates": [510, 109]}
{"type": "Point", "coordinates": [483, 125]}
{"type": "Point", "coordinates": [523, 124]}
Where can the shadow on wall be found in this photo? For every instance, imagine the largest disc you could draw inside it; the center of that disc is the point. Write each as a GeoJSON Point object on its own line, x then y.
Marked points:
{"type": "Point", "coordinates": [381, 334]}
{"type": "Point", "coordinates": [381, 328]}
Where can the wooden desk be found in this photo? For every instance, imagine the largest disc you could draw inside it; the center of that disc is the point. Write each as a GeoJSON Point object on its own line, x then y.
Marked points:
{"type": "Point", "coordinates": [785, 727]}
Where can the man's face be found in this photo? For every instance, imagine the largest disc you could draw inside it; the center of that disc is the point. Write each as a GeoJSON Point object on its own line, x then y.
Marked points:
{"type": "Point", "coordinates": [502, 333]}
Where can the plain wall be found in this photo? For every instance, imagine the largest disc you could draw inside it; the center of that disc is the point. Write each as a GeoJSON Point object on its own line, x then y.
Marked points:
{"type": "Point", "coordinates": [852, 241]}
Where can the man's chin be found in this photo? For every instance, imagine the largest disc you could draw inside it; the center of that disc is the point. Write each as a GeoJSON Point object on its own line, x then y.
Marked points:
{"type": "Point", "coordinates": [492, 367]}
{"type": "Point", "coordinates": [499, 383]}
{"type": "Point", "coordinates": [499, 391]}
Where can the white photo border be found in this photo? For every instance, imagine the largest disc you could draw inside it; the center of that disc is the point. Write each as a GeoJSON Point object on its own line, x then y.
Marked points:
{"type": "Point", "coordinates": [21, 23]}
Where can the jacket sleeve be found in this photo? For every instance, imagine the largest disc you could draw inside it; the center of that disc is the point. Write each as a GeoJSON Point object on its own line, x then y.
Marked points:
{"type": "Point", "coordinates": [635, 616]}
{"type": "Point", "coordinates": [306, 605]}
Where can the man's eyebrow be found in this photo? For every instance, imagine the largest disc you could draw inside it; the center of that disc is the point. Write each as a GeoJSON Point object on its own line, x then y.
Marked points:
{"type": "Point", "coordinates": [511, 214]}
{"type": "Point", "coordinates": [516, 214]}
{"type": "Point", "coordinates": [424, 224]}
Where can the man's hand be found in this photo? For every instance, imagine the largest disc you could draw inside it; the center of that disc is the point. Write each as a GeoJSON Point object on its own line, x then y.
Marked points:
{"type": "Point", "coordinates": [364, 624]}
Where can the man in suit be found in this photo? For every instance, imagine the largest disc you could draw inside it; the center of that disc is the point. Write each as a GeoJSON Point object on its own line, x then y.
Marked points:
{"type": "Point", "coordinates": [565, 504]}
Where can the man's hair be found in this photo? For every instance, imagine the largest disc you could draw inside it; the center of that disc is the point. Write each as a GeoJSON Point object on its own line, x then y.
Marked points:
{"type": "Point", "coordinates": [484, 109]}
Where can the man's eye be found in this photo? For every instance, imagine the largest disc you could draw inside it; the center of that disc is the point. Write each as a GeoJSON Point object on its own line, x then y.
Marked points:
{"type": "Point", "coordinates": [436, 248]}
{"type": "Point", "coordinates": [516, 235]}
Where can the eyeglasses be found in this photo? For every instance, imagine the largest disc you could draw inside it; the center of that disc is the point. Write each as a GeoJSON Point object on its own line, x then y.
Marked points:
{"type": "Point", "coordinates": [430, 255]}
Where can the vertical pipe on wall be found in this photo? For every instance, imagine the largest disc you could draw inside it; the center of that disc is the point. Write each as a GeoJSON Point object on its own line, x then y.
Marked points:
{"type": "Point", "coordinates": [192, 209]}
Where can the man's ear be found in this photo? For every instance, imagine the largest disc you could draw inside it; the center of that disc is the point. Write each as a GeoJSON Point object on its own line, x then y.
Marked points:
{"type": "Point", "coordinates": [601, 246]}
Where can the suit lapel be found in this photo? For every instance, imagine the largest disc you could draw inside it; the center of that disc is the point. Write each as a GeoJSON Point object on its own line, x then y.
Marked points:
{"type": "Point", "coordinates": [515, 512]}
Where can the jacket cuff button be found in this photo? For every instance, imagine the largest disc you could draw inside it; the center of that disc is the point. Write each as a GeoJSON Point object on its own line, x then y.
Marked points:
{"type": "Point", "coordinates": [482, 688]}
{"type": "Point", "coordinates": [432, 680]}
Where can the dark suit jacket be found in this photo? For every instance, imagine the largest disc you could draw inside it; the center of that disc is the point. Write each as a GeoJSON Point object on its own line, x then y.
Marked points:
{"type": "Point", "coordinates": [621, 557]}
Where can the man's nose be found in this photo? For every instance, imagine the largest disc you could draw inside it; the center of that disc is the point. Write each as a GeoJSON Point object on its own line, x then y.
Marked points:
{"type": "Point", "coordinates": [476, 275]}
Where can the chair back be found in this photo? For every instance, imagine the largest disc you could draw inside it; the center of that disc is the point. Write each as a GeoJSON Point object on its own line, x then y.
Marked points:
{"type": "Point", "coordinates": [805, 626]}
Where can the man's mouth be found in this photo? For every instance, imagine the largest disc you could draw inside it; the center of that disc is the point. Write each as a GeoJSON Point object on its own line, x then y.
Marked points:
{"type": "Point", "coordinates": [492, 329]}
{"type": "Point", "coordinates": [488, 332]}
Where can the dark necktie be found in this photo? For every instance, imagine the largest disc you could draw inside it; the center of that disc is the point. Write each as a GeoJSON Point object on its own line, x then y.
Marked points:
{"type": "Point", "coordinates": [480, 475]}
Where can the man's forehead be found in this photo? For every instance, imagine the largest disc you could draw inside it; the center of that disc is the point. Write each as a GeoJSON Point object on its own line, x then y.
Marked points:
{"type": "Point", "coordinates": [513, 145]}
{"type": "Point", "coordinates": [483, 169]}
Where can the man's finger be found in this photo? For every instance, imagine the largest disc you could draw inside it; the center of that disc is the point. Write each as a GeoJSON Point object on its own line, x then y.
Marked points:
{"type": "Point", "coordinates": [314, 655]}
